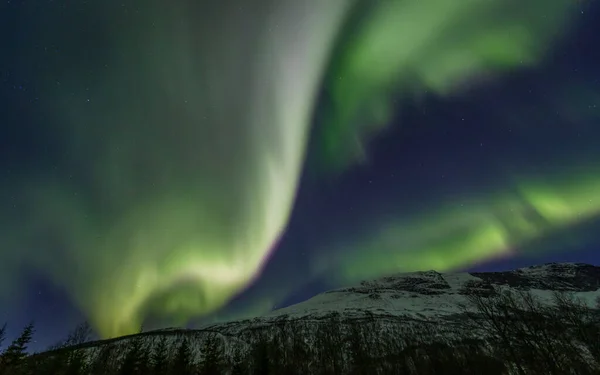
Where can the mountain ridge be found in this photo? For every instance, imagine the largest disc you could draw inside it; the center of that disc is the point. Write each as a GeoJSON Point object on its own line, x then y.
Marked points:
{"type": "Point", "coordinates": [583, 279]}
{"type": "Point", "coordinates": [430, 305]}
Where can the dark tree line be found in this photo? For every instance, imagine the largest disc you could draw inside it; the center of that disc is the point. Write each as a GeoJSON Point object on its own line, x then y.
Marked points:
{"type": "Point", "coordinates": [499, 333]}
{"type": "Point", "coordinates": [533, 337]}
{"type": "Point", "coordinates": [12, 358]}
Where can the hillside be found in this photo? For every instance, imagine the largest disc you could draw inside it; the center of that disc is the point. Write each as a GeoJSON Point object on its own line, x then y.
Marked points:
{"type": "Point", "coordinates": [376, 326]}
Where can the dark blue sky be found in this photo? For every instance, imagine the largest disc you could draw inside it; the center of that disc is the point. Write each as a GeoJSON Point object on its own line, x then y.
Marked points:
{"type": "Point", "coordinates": [456, 146]}
{"type": "Point", "coordinates": [436, 146]}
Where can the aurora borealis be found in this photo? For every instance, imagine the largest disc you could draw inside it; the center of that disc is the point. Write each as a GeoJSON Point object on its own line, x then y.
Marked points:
{"type": "Point", "coordinates": [171, 143]}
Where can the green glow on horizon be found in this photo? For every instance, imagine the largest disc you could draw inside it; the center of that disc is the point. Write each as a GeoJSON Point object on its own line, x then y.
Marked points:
{"type": "Point", "coordinates": [456, 236]}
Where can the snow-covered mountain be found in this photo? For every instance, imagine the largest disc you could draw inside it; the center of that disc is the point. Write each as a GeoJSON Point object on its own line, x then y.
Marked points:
{"type": "Point", "coordinates": [428, 296]}
{"type": "Point", "coordinates": [429, 304]}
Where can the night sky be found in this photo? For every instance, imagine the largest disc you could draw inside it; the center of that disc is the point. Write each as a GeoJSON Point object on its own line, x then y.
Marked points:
{"type": "Point", "coordinates": [202, 161]}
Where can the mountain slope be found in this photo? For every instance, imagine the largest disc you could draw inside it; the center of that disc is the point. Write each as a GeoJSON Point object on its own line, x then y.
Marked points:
{"type": "Point", "coordinates": [382, 313]}
{"type": "Point", "coordinates": [432, 295]}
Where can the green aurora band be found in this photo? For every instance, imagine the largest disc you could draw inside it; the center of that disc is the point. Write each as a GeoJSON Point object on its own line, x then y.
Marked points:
{"type": "Point", "coordinates": [183, 166]}
{"type": "Point", "coordinates": [536, 214]}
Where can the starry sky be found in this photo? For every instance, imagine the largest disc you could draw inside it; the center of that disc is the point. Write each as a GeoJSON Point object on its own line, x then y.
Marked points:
{"type": "Point", "coordinates": [174, 166]}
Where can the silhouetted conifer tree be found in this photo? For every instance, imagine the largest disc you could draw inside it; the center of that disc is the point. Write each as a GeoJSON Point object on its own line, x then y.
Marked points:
{"type": "Point", "coordinates": [56, 362]}
{"type": "Point", "coordinates": [160, 357]}
{"type": "Point", "coordinates": [298, 357]}
{"type": "Point", "coordinates": [145, 365]}
{"type": "Point", "coordinates": [77, 363]}
{"type": "Point", "coordinates": [102, 361]}
{"type": "Point", "coordinates": [2, 335]}
{"type": "Point", "coordinates": [212, 356]}
{"type": "Point", "coordinates": [260, 357]}
{"type": "Point", "coordinates": [276, 353]}
{"type": "Point", "coordinates": [132, 363]}
{"type": "Point", "coordinates": [182, 363]}
{"type": "Point", "coordinates": [15, 353]}
{"type": "Point", "coordinates": [329, 343]}
{"type": "Point", "coordinates": [239, 362]}
{"type": "Point", "coordinates": [63, 360]}
{"type": "Point", "coordinates": [359, 359]}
